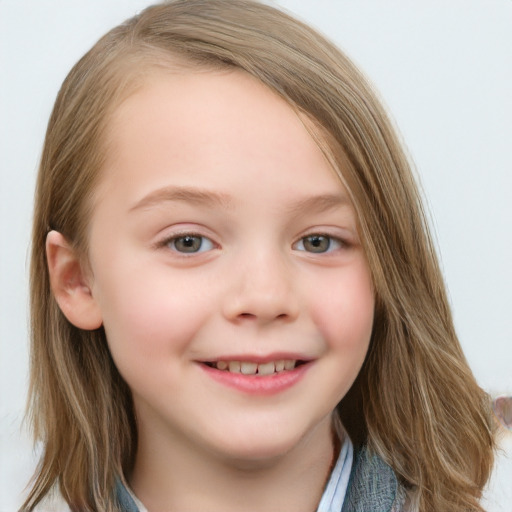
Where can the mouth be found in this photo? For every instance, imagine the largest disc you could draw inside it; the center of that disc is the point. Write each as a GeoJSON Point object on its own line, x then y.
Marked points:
{"type": "Point", "coordinates": [257, 376]}
{"type": "Point", "coordinates": [254, 368]}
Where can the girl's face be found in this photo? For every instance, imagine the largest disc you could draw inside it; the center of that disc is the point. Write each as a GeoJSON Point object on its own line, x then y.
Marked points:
{"type": "Point", "coordinates": [222, 242]}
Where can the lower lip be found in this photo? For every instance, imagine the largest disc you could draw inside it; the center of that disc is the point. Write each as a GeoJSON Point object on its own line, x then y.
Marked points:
{"type": "Point", "coordinates": [254, 385]}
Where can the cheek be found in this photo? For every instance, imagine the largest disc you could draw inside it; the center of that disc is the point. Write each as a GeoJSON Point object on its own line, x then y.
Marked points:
{"type": "Point", "coordinates": [147, 316]}
{"type": "Point", "coordinates": [344, 313]}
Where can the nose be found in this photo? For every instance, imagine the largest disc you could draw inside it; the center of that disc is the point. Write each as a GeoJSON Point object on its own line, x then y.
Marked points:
{"type": "Point", "coordinates": [261, 290]}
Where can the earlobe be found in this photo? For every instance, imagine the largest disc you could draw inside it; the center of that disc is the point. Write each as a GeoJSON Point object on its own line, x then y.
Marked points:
{"type": "Point", "coordinates": [69, 283]}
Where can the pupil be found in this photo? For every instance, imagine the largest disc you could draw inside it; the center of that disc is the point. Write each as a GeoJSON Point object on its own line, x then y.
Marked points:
{"type": "Point", "coordinates": [317, 243]}
{"type": "Point", "coordinates": [188, 243]}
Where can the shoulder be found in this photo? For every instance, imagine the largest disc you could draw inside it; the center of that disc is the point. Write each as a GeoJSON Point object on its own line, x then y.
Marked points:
{"type": "Point", "coordinates": [373, 485]}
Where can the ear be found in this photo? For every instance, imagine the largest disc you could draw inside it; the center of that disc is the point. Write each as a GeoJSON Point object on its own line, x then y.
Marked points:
{"type": "Point", "coordinates": [69, 284]}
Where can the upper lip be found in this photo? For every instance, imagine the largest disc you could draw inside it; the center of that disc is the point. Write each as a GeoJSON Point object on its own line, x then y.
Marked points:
{"type": "Point", "coordinates": [259, 359]}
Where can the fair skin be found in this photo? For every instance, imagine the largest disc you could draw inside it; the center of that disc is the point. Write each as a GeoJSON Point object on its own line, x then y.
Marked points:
{"type": "Point", "coordinates": [221, 237]}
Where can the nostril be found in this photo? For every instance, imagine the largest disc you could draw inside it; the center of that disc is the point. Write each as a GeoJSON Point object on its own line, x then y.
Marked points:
{"type": "Point", "coordinates": [247, 315]}
{"type": "Point", "coordinates": [251, 316]}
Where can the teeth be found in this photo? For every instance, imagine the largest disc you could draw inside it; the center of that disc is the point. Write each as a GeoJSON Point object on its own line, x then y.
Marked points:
{"type": "Point", "coordinates": [250, 368]}
{"type": "Point", "coordinates": [266, 368]}
{"type": "Point", "coordinates": [222, 365]}
{"type": "Point", "coordinates": [234, 366]}
{"type": "Point", "coordinates": [289, 364]}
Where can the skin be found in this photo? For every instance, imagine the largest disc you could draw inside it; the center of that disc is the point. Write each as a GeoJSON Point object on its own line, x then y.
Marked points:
{"type": "Point", "coordinates": [219, 157]}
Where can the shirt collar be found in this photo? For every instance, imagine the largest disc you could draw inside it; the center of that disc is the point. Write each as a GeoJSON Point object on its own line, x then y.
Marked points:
{"type": "Point", "coordinates": [336, 488]}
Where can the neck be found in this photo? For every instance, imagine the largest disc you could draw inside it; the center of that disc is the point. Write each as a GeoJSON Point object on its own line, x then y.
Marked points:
{"type": "Point", "coordinates": [169, 475]}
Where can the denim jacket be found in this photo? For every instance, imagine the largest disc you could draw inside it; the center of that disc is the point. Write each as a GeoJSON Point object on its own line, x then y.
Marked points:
{"type": "Point", "coordinates": [373, 487]}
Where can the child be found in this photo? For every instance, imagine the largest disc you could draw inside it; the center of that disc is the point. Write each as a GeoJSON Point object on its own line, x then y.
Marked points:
{"type": "Point", "coordinates": [235, 299]}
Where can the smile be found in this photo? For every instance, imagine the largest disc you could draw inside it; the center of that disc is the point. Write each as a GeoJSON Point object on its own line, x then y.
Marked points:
{"type": "Point", "coordinates": [258, 369]}
{"type": "Point", "coordinates": [257, 377]}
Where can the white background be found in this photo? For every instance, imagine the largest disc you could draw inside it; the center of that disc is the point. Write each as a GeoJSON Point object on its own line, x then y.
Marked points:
{"type": "Point", "coordinates": [444, 70]}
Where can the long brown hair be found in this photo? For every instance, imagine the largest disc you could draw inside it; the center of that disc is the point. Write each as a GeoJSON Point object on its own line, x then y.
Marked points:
{"type": "Point", "coordinates": [415, 402]}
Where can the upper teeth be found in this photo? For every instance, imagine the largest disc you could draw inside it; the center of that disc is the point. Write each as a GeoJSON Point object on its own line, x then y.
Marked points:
{"type": "Point", "coordinates": [251, 368]}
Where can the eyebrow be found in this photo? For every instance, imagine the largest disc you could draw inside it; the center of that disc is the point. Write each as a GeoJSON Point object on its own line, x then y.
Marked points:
{"type": "Point", "coordinates": [316, 204]}
{"type": "Point", "coordinates": [186, 194]}
{"type": "Point", "coordinates": [319, 204]}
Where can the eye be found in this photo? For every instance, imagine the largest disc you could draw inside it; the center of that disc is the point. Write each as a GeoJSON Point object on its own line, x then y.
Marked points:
{"type": "Point", "coordinates": [317, 243]}
{"type": "Point", "coordinates": [189, 244]}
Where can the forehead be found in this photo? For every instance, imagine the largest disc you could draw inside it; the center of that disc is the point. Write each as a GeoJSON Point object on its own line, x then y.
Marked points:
{"type": "Point", "coordinates": [197, 103]}
{"type": "Point", "coordinates": [201, 123]}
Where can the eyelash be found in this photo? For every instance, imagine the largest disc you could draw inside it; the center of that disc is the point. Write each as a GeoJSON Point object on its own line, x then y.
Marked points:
{"type": "Point", "coordinates": [170, 243]}
{"type": "Point", "coordinates": [333, 243]}
{"type": "Point", "coordinates": [332, 240]}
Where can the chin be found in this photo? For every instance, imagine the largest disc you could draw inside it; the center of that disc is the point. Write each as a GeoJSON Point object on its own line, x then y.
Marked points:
{"type": "Point", "coordinates": [255, 451]}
